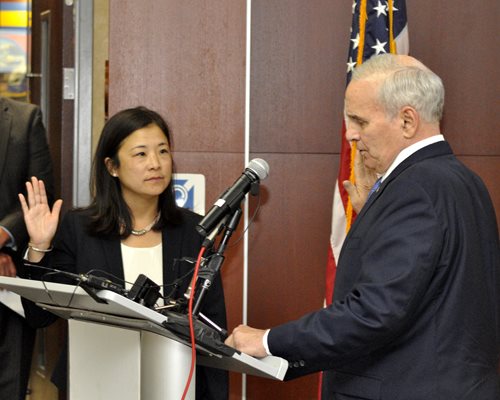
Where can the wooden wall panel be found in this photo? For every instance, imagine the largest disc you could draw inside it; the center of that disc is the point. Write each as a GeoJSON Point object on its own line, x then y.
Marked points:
{"type": "Point", "coordinates": [304, 388]}
{"type": "Point", "coordinates": [297, 85]}
{"type": "Point", "coordinates": [288, 252]}
{"type": "Point", "coordinates": [289, 239]}
{"type": "Point", "coordinates": [455, 40]}
{"type": "Point", "coordinates": [298, 76]}
{"type": "Point", "coordinates": [186, 59]}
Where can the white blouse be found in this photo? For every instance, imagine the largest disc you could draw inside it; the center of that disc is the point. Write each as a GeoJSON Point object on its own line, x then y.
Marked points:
{"type": "Point", "coordinates": [142, 260]}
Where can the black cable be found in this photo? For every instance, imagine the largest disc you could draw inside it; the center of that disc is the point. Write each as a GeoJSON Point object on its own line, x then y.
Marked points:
{"type": "Point", "coordinates": [250, 222]}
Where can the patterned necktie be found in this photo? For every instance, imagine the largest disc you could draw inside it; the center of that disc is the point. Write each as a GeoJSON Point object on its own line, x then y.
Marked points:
{"type": "Point", "coordinates": [375, 187]}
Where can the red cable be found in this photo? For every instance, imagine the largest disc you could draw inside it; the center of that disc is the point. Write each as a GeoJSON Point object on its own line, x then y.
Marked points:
{"type": "Point", "coordinates": [190, 316]}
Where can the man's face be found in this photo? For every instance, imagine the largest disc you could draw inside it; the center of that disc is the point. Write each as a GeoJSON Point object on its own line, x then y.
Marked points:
{"type": "Point", "coordinates": [379, 139]}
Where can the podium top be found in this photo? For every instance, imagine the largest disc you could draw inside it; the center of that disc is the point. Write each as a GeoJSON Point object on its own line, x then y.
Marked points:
{"type": "Point", "coordinates": [70, 296]}
{"type": "Point", "coordinates": [73, 302]}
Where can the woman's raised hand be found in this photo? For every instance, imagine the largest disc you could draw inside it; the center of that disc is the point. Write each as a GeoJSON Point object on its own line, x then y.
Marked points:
{"type": "Point", "coordinates": [41, 221]}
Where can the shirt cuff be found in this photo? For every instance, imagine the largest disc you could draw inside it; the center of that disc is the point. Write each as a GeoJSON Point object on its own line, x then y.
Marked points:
{"type": "Point", "coordinates": [265, 344]}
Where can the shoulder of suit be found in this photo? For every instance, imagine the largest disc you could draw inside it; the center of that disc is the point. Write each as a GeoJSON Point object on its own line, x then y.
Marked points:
{"type": "Point", "coordinates": [7, 104]}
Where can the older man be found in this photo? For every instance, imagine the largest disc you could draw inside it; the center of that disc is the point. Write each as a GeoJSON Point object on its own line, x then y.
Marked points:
{"type": "Point", "coordinates": [416, 310]}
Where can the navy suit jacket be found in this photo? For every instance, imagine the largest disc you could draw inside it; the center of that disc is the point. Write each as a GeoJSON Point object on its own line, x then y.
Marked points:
{"type": "Point", "coordinates": [416, 310]}
{"type": "Point", "coordinates": [78, 252]}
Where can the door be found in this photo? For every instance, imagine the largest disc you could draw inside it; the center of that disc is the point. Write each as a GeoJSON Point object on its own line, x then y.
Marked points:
{"type": "Point", "coordinates": [52, 53]}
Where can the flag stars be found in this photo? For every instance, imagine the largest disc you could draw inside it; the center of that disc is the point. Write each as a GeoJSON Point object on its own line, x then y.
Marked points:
{"type": "Point", "coordinates": [350, 65]}
{"type": "Point", "coordinates": [355, 42]}
{"type": "Point", "coordinates": [379, 47]}
{"type": "Point", "coordinates": [354, 6]}
{"type": "Point", "coordinates": [381, 9]}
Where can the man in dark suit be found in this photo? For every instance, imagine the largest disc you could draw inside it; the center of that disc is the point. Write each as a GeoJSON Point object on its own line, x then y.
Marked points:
{"type": "Point", "coordinates": [23, 153]}
{"type": "Point", "coordinates": [416, 307]}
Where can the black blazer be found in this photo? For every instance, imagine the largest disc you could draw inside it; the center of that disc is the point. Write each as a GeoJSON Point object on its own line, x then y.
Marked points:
{"type": "Point", "coordinates": [78, 252]}
{"type": "Point", "coordinates": [416, 310]}
{"type": "Point", "coordinates": [23, 153]}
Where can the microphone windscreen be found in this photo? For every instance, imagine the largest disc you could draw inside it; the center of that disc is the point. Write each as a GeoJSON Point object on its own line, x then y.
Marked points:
{"type": "Point", "coordinates": [259, 167]}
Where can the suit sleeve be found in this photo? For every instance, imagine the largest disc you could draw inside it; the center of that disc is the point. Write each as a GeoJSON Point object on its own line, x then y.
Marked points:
{"type": "Point", "coordinates": [395, 260]}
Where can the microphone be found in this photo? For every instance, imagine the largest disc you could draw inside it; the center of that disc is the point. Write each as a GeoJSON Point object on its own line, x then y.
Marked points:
{"type": "Point", "coordinates": [229, 201]}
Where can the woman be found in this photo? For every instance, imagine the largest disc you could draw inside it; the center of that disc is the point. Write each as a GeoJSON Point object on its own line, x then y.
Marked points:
{"type": "Point", "coordinates": [132, 226]}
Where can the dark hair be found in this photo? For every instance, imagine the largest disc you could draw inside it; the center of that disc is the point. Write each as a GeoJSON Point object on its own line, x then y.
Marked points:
{"type": "Point", "coordinates": [109, 214]}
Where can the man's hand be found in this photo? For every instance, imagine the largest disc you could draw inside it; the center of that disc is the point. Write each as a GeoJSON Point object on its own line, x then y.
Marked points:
{"type": "Point", "coordinates": [247, 340]}
{"type": "Point", "coordinates": [364, 180]}
{"type": "Point", "coordinates": [7, 267]}
{"type": "Point", "coordinates": [4, 237]}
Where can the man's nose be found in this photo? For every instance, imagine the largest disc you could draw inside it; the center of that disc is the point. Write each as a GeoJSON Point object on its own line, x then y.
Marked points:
{"type": "Point", "coordinates": [351, 134]}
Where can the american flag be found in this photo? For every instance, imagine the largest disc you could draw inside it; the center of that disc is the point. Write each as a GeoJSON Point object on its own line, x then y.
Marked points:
{"type": "Point", "coordinates": [377, 27]}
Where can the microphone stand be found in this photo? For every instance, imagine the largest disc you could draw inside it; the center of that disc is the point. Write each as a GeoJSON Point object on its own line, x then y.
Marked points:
{"type": "Point", "coordinates": [209, 271]}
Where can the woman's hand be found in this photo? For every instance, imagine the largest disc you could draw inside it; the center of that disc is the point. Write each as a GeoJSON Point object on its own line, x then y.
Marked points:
{"type": "Point", "coordinates": [41, 221]}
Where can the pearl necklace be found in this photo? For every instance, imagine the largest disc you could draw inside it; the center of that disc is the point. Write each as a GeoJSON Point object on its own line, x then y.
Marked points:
{"type": "Point", "coordinates": [145, 230]}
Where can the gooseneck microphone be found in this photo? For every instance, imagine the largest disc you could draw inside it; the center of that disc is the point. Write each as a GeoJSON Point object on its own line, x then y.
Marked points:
{"type": "Point", "coordinates": [230, 200]}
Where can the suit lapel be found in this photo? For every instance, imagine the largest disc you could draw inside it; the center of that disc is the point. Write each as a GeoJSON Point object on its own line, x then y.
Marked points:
{"type": "Point", "coordinates": [171, 250]}
{"type": "Point", "coordinates": [434, 150]}
{"type": "Point", "coordinates": [5, 127]}
{"type": "Point", "coordinates": [113, 255]}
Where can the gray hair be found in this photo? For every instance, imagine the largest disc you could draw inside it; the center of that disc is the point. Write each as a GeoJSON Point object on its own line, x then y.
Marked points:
{"type": "Point", "coordinates": [405, 82]}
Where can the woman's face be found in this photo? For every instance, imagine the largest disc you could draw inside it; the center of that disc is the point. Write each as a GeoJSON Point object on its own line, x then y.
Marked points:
{"type": "Point", "coordinates": [145, 167]}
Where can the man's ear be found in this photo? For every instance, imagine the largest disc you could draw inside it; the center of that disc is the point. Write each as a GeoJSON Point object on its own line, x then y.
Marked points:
{"type": "Point", "coordinates": [110, 166]}
{"type": "Point", "coordinates": [409, 121]}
